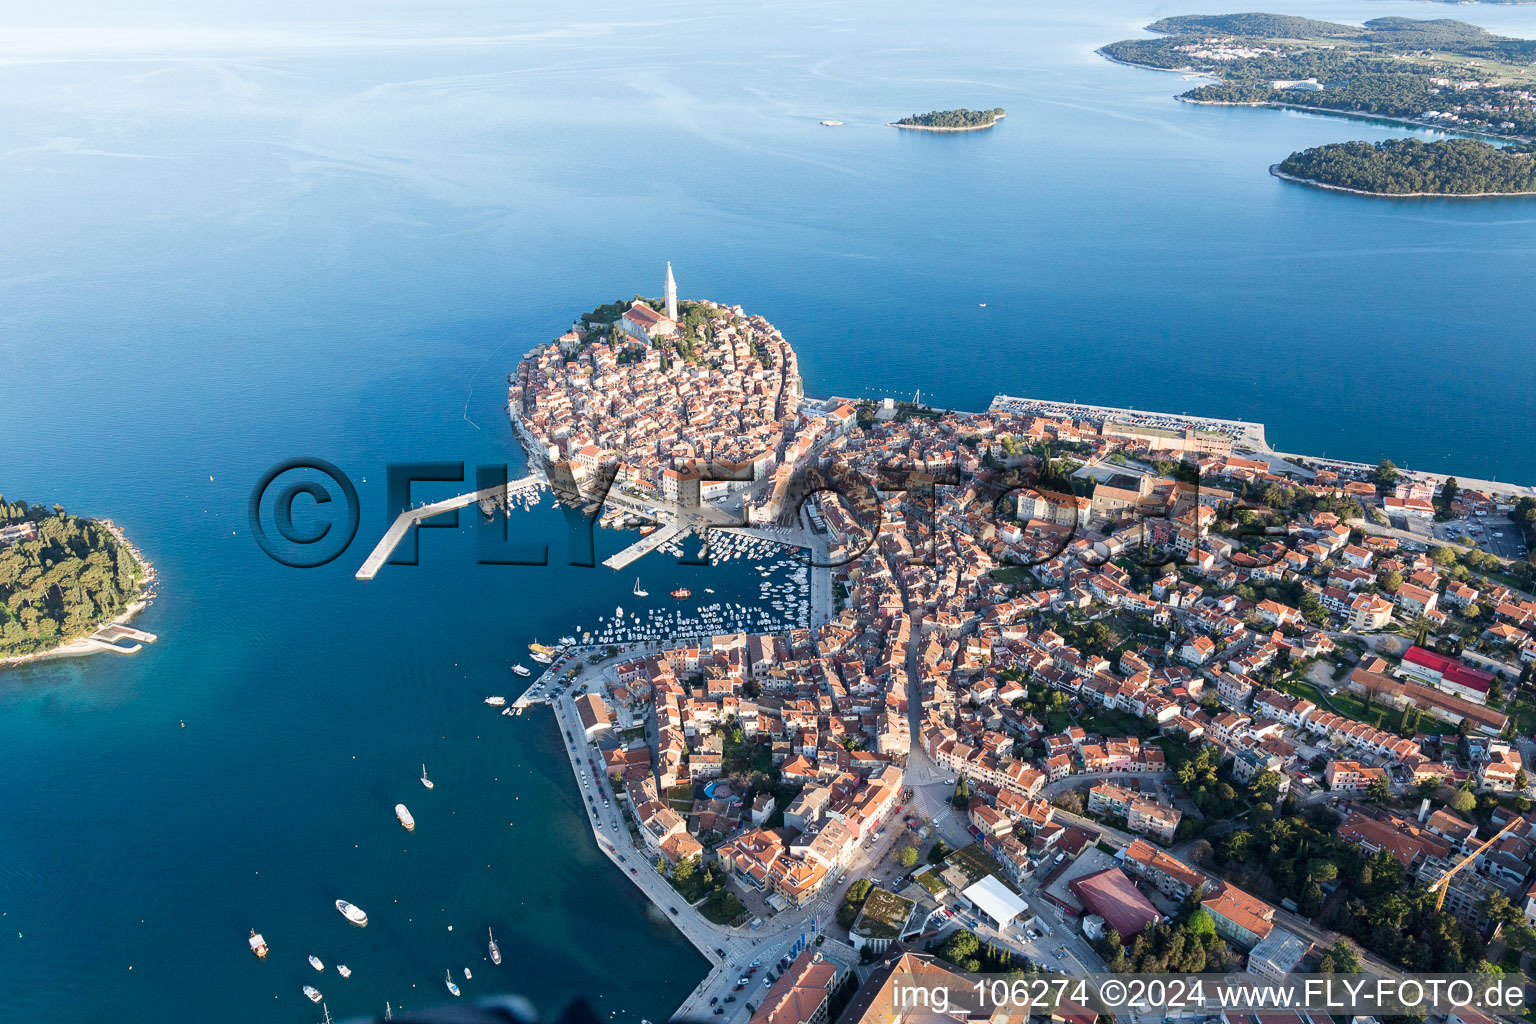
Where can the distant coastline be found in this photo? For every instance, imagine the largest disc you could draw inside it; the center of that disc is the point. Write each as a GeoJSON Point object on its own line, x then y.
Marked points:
{"type": "Point", "coordinates": [1277, 172]}
{"type": "Point", "coordinates": [1353, 115]}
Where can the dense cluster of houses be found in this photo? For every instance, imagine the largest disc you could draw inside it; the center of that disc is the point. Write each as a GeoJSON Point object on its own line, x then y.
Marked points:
{"type": "Point", "coordinates": [630, 408]}
{"type": "Point", "coordinates": [924, 633]}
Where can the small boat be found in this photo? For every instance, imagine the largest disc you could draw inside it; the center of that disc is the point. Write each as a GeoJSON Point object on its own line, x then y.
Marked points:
{"type": "Point", "coordinates": [508, 711]}
{"type": "Point", "coordinates": [542, 659]}
{"type": "Point", "coordinates": [314, 962]}
{"type": "Point", "coordinates": [521, 670]}
{"type": "Point", "coordinates": [344, 970]}
{"type": "Point", "coordinates": [566, 641]}
{"type": "Point", "coordinates": [353, 914]}
{"type": "Point", "coordinates": [453, 989]}
{"type": "Point", "coordinates": [832, 124]}
{"type": "Point", "coordinates": [424, 780]}
{"type": "Point", "coordinates": [467, 975]}
{"type": "Point", "coordinates": [619, 611]}
{"type": "Point", "coordinates": [646, 531]}
{"type": "Point", "coordinates": [709, 590]}
{"type": "Point", "coordinates": [983, 305]}
{"type": "Point", "coordinates": [638, 592]}
{"type": "Point", "coordinates": [259, 945]}
{"type": "Point", "coordinates": [405, 817]}
{"type": "Point", "coordinates": [494, 702]}
{"type": "Point", "coordinates": [682, 592]}
{"type": "Point", "coordinates": [313, 993]}
{"type": "Point", "coordinates": [495, 949]}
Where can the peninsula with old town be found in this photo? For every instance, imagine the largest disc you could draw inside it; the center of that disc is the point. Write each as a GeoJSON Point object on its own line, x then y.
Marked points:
{"type": "Point", "coordinates": [1077, 688]}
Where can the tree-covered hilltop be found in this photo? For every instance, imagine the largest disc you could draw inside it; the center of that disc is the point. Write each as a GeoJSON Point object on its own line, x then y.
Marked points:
{"type": "Point", "coordinates": [71, 578]}
{"type": "Point", "coordinates": [1405, 166]}
{"type": "Point", "coordinates": [962, 118]}
{"type": "Point", "coordinates": [1442, 72]}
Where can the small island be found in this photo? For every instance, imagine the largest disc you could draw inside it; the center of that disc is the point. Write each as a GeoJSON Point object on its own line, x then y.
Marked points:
{"type": "Point", "coordinates": [66, 584]}
{"type": "Point", "coordinates": [962, 120]}
{"type": "Point", "coordinates": [1458, 168]}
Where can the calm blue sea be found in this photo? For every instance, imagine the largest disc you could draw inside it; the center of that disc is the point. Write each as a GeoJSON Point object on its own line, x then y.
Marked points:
{"type": "Point", "coordinates": [270, 232]}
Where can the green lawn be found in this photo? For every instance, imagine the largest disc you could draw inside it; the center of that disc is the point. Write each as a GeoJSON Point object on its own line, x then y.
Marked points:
{"type": "Point", "coordinates": [931, 881]}
{"type": "Point", "coordinates": [1347, 704]}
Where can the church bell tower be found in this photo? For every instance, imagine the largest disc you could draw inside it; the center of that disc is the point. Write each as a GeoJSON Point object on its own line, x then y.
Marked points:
{"type": "Point", "coordinates": [671, 294]}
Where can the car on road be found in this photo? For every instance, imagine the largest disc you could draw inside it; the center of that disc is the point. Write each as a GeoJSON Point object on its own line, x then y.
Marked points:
{"type": "Point", "coordinates": [768, 982]}
{"type": "Point", "coordinates": [714, 1000]}
{"type": "Point", "coordinates": [718, 950]}
{"type": "Point", "coordinates": [633, 871]}
{"type": "Point", "coordinates": [730, 999]}
{"type": "Point", "coordinates": [719, 1010]}
{"type": "Point", "coordinates": [739, 987]}
{"type": "Point", "coordinates": [674, 911]}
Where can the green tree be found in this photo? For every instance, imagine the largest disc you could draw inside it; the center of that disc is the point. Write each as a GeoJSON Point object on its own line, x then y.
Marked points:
{"type": "Point", "coordinates": [908, 857]}
{"type": "Point", "coordinates": [1379, 791]}
{"type": "Point", "coordinates": [962, 797]}
{"type": "Point", "coordinates": [1462, 801]}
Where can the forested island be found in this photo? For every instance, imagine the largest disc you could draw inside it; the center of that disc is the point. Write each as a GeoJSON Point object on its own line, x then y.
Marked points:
{"type": "Point", "coordinates": [1410, 167]}
{"type": "Point", "coordinates": [61, 577]}
{"type": "Point", "coordinates": [961, 120]}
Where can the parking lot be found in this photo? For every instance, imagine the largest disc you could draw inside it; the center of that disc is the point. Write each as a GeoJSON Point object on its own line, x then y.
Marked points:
{"type": "Point", "coordinates": [1495, 534]}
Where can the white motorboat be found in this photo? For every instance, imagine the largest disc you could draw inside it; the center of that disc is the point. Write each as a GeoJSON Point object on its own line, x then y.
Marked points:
{"type": "Point", "coordinates": [521, 670]}
{"type": "Point", "coordinates": [405, 817]}
{"type": "Point", "coordinates": [424, 780]}
{"type": "Point", "coordinates": [495, 702]}
{"type": "Point", "coordinates": [314, 962]}
{"type": "Point", "coordinates": [313, 993]}
{"type": "Point", "coordinates": [467, 975]}
{"type": "Point", "coordinates": [495, 949]}
{"type": "Point", "coordinates": [352, 913]}
{"type": "Point", "coordinates": [344, 970]}
{"type": "Point", "coordinates": [453, 989]}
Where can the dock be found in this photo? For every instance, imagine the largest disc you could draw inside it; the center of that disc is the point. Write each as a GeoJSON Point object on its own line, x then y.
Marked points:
{"type": "Point", "coordinates": [642, 547]}
{"type": "Point", "coordinates": [410, 517]}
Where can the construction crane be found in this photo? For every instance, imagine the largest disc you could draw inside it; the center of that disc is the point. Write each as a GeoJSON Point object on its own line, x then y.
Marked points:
{"type": "Point", "coordinates": [1444, 881]}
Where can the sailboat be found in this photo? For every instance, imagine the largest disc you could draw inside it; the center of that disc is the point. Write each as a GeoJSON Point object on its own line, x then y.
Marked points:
{"type": "Point", "coordinates": [424, 780]}
{"type": "Point", "coordinates": [453, 989]}
{"type": "Point", "coordinates": [637, 591]}
{"type": "Point", "coordinates": [495, 949]}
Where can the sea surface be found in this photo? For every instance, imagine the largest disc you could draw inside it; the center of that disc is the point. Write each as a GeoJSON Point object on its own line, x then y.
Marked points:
{"type": "Point", "coordinates": [272, 231]}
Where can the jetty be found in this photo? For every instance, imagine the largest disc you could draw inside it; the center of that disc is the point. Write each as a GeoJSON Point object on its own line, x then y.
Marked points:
{"type": "Point", "coordinates": [497, 495]}
{"type": "Point", "coordinates": [642, 547]}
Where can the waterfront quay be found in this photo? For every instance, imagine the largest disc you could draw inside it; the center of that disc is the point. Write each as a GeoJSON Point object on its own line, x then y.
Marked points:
{"type": "Point", "coordinates": [730, 951]}
{"type": "Point", "coordinates": [1243, 433]}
